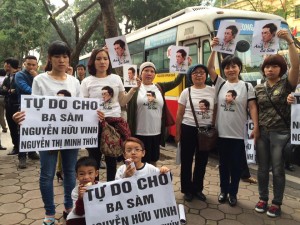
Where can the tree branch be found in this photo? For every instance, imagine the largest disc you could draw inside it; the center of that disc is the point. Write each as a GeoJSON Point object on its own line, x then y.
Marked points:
{"type": "Point", "coordinates": [77, 15]}
{"type": "Point", "coordinates": [53, 21]}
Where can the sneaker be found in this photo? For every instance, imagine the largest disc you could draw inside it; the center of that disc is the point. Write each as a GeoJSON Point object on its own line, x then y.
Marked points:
{"type": "Point", "coordinates": [188, 197]}
{"type": "Point", "coordinates": [261, 206]}
{"type": "Point", "coordinates": [274, 211]}
{"type": "Point", "coordinates": [33, 156]}
{"type": "Point", "coordinates": [232, 200]}
{"type": "Point", "coordinates": [22, 163]}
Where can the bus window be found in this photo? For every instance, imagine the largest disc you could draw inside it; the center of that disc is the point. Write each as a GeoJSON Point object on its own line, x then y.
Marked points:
{"type": "Point", "coordinates": [157, 56]}
{"type": "Point", "coordinates": [193, 52]}
{"type": "Point", "coordinates": [138, 58]}
{"type": "Point", "coordinates": [166, 59]}
{"type": "Point", "coordinates": [206, 50]}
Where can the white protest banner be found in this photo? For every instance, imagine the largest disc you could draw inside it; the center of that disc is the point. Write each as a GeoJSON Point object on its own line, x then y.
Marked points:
{"type": "Point", "coordinates": [249, 143]}
{"type": "Point", "coordinates": [137, 200]}
{"type": "Point", "coordinates": [295, 120]}
{"type": "Point", "coordinates": [55, 122]}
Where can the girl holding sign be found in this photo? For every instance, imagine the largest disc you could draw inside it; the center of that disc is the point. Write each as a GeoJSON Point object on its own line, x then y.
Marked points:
{"type": "Point", "coordinates": [274, 124]}
{"type": "Point", "coordinates": [48, 84]}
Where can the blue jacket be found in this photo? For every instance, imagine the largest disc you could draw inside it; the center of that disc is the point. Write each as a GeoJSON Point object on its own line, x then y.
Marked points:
{"type": "Point", "coordinates": [23, 81]}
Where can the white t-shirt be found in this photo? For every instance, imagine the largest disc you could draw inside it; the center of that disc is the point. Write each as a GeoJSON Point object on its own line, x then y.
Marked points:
{"type": "Point", "coordinates": [232, 117]}
{"type": "Point", "coordinates": [91, 87]}
{"type": "Point", "coordinates": [146, 170]}
{"type": "Point", "coordinates": [44, 84]}
{"type": "Point", "coordinates": [204, 115]}
{"type": "Point", "coordinates": [149, 111]}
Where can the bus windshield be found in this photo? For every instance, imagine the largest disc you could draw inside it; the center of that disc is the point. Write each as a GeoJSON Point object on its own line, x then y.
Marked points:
{"type": "Point", "coordinates": [252, 62]}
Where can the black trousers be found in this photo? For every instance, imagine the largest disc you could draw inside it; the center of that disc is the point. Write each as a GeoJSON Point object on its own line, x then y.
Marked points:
{"type": "Point", "coordinates": [189, 149]}
{"type": "Point", "coordinates": [11, 109]}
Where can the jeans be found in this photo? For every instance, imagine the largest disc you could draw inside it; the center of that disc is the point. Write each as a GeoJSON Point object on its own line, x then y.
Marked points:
{"type": "Point", "coordinates": [270, 153]}
{"type": "Point", "coordinates": [189, 147]}
{"type": "Point", "coordinates": [48, 165]}
{"type": "Point", "coordinates": [230, 156]}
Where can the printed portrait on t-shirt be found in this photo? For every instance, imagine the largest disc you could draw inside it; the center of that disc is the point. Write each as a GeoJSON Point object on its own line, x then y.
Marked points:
{"type": "Point", "coordinates": [204, 107]}
{"type": "Point", "coordinates": [151, 103]}
{"type": "Point", "coordinates": [229, 104]}
{"type": "Point", "coordinates": [107, 95]}
{"type": "Point", "coordinates": [118, 51]}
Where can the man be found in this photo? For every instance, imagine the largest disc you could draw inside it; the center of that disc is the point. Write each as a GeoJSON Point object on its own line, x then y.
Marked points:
{"type": "Point", "coordinates": [119, 46]}
{"type": "Point", "coordinates": [229, 36]}
{"type": "Point", "coordinates": [8, 89]}
{"type": "Point", "coordinates": [268, 33]}
{"type": "Point", "coordinates": [230, 100]}
{"type": "Point", "coordinates": [23, 81]}
{"type": "Point", "coordinates": [80, 70]}
{"type": "Point", "coordinates": [131, 76]}
{"type": "Point", "coordinates": [180, 58]}
{"type": "Point", "coordinates": [2, 104]}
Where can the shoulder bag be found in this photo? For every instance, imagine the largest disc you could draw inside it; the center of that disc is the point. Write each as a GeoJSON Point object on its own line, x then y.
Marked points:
{"type": "Point", "coordinates": [207, 136]}
{"type": "Point", "coordinates": [111, 142]}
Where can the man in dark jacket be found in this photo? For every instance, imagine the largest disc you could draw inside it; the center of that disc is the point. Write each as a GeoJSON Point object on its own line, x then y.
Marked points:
{"type": "Point", "coordinates": [8, 89]}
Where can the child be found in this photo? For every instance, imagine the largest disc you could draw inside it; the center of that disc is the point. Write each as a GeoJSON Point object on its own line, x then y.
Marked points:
{"type": "Point", "coordinates": [134, 151]}
{"type": "Point", "coordinates": [86, 172]}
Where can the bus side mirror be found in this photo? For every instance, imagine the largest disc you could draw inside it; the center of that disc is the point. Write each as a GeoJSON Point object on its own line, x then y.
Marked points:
{"type": "Point", "coordinates": [242, 46]}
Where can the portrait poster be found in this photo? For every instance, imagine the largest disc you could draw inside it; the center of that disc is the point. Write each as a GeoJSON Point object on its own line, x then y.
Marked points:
{"type": "Point", "coordinates": [129, 75]}
{"type": "Point", "coordinates": [265, 40]}
{"type": "Point", "coordinates": [179, 59]}
{"type": "Point", "coordinates": [228, 33]}
{"type": "Point", "coordinates": [118, 51]}
{"type": "Point", "coordinates": [144, 200]}
{"type": "Point", "coordinates": [57, 123]}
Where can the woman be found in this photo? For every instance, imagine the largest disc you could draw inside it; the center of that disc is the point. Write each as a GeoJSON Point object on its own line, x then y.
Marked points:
{"type": "Point", "coordinates": [48, 84]}
{"type": "Point", "coordinates": [146, 115]}
{"type": "Point", "coordinates": [234, 97]}
{"type": "Point", "coordinates": [99, 67]}
{"type": "Point", "coordinates": [274, 124]}
{"type": "Point", "coordinates": [186, 131]}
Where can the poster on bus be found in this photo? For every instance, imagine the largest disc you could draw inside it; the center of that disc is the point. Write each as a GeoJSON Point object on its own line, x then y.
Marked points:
{"type": "Point", "coordinates": [179, 59]}
{"type": "Point", "coordinates": [265, 40]}
{"type": "Point", "coordinates": [118, 51]}
{"type": "Point", "coordinates": [227, 35]}
{"type": "Point", "coordinates": [130, 75]}
{"type": "Point", "coordinates": [145, 200]}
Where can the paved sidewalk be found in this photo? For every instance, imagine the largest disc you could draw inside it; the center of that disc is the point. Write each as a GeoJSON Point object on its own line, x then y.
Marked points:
{"type": "Point", "coordinates": [20, 199]}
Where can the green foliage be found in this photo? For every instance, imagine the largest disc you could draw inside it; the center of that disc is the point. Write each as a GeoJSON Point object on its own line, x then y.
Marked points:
{"type": "Point", "coordinates": [139, 13]}
{"type": "Point", "coordinates": [23, 27]}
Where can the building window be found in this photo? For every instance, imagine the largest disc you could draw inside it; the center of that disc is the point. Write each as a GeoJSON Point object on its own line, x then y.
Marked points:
{"type": "Point", "coordinates": [297, 11]}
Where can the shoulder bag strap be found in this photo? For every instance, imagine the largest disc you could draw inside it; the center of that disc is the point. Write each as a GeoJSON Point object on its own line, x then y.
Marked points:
{"type": "Point", "coordinates": [193, 110]}
{"type": "Point", "coordinates": [276, 109]}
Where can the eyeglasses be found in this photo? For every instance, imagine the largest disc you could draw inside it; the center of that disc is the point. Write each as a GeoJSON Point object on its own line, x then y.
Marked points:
{"type": "Point", "coordinates": [198, 73]}
{"type": "Point", "coordinates": [129, 150]}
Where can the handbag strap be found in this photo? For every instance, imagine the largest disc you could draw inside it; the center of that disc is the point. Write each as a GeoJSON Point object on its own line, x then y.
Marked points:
{"type": "Point", "coordinates": [193, 110]}
{"type": "Point", "coordinates": [274, 106]}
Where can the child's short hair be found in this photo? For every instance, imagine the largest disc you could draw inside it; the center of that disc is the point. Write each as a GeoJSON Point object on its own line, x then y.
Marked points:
{"type": "Point", "coordinates": [133, 139]}
{"type": "Point", "coordinates": [86, 161]}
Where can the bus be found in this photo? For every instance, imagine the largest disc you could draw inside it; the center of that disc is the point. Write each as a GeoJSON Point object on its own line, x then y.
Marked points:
{"type": "Point", "coordinates": [194, 27]}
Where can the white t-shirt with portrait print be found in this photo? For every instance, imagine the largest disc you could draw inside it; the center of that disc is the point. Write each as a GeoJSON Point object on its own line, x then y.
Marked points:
{"type": "Point", "coordinates": [204, 117]}
{"type": "Point", "coordinates": [149, 112]}
{"type": "Point", "coordinates": [91, 87]}
{"type": "Point", "coordinates": [231, 118]}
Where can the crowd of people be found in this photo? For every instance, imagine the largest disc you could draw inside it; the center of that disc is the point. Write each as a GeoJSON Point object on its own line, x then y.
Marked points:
{"type": "Point", "coordinates": [226, 105]}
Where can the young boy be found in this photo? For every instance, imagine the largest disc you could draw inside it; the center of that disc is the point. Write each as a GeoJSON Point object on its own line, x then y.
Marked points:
{"type": "Point", "coordinates": [134, 151]}
{"type": "Point", "coordinates": [86, 172]}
